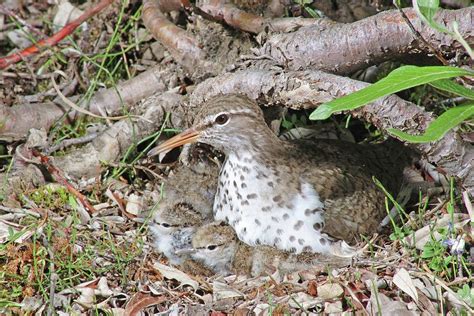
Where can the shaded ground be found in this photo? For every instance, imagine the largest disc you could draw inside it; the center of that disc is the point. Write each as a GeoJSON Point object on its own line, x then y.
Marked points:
{"type": "Point", "coordinates": [55, 256]}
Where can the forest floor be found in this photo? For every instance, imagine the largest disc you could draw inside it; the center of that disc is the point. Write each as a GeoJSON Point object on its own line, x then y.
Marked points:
{"type": "Point", "coordinates": [54, 255]}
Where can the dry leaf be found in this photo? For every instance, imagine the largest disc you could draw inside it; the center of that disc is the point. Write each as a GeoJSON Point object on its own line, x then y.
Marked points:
{"type": "Point", "coordinates": [103, 288]}
{"type": "Point", "coordinates": [305, 301]}
{"type": "Point", "coordinates": [5, 232]}
{"type": "Point", "coordinates": [87, 297]}
{"type": "Point", "coordinates": [329, 291]}
{"type": "Point", "coordinates": [313, 288]}
{"type": "Point", "coordinates": [404, 282]}
{"type": "Point", "coordinates": [260, 309]}
{"type": "Point", "coordinates": [380, 304]}
{"type": "Point", "coordinates": [66, 12]}
{"type": "Point", "coordinates": [331, 308]}
{"type": "Point", "coordinates": [222, 291]}
{"type": "Point", "coordinates": [175, 274]}
{"type": "Point", "coordinates": [134, 204]}
{"type": "Point", "coordinates": [19, 37]}
{"type": "Point", "coordinates": [140, 301]}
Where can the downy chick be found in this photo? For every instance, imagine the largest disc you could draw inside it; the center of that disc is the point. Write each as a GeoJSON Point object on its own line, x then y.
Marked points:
{"type": "Point", "coordinates": [216, 245]}
{"type": "Point", "coordinates": [172, 229]}
{"type": "Point", "coordinates": [187, 203]}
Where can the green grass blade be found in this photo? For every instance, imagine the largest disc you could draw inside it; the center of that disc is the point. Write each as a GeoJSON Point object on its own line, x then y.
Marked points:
{"type": "Point", "coordinates": [453, 87]}
{"type": "Point", "coordinates": [440, 126]}
{"type": "Point", "coordinates": [400, 79]}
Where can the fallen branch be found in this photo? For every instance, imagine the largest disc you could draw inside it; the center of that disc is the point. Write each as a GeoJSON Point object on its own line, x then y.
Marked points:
{"type": "Point", "coordinates": [113, 143]}
{"type": "Point", "coordinates": [6, 11]}
{"type": "Point", "coordinates": [56, 38]}
{"type": "Point", "coordinates": [184, 48]}
{"type": "Point", "coordinates": [370, 41]}
{"type": "Point", "coordinates": [16, 121]}
{"type": "Point", "coordinates": [228, 13]}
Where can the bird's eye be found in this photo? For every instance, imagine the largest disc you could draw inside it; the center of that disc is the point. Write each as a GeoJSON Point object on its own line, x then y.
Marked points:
{"type": "Point", "coordinates": [211, 247]}
{"type": "Point", "coordinates": [221, 119]}
{"type": "Point", "coordinates": [165, 225]}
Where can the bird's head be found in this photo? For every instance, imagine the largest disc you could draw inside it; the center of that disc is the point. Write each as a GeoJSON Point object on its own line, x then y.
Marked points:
{"type": "Point", "coordinates": [227, 122]}
{"type": "Point", "coordinates": [215, 244]}
{"type": "Point", "coordinates": [172, 217]}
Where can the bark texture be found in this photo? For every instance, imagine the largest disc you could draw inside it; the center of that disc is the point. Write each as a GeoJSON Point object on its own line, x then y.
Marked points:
{"type": "Point", "coordinates": [344, 48]}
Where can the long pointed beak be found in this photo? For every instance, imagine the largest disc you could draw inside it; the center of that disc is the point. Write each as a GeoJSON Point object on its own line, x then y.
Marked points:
{"type": "Point", "coordinates": [188, 136]}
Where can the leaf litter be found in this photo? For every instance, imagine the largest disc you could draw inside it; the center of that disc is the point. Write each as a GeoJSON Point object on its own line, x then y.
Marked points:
{"type": "Point", "coordinates": [58, 256]}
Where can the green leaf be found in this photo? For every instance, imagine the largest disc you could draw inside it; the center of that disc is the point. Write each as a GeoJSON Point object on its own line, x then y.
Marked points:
{"type": "Point", "coordinates": [72, 202]}
{"type": "Point", "coordinates": [448, 260]}
{"type": "Point", "coordinates": [440, 126]}
{"type": "Point", "coordinates": [400, 79]}
{"type": "Point", "coordinates": [453, 87]}
{"type": "Point", "coordinates": [426, 10]}
{"type": "Point", "coordinates": [427, 253]}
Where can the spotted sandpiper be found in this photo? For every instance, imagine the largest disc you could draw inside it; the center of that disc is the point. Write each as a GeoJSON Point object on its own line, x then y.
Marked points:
{"type": "Point", "coordinates": [188, 197]}
{"type": "Point", "coordinates": [172, 228]}
{"type": "Point", "coordinates": [297, 196]}
{"type": "Point", "coordinates": [216, 245]}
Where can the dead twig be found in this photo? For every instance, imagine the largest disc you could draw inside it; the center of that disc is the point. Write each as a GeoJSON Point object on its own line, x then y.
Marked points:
{"type": "Point", "coordinates": [420, 37]}
{"type": "Point", "coordinates": [55, 39]}
{"type": "Point", "coordinates": [70, 142]}
{"type": "Point", "coordinates": [7, 11]}
{"type": "Point", "coordinates": [57, 175]}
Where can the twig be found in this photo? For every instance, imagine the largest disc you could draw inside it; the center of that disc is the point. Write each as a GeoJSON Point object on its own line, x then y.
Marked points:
{"type": "Point", "coordinates": [138, 167]}
{"type": "Point", "coordinates": [55, 39]}
{"type": "Point", "coordinates": [451, 101]}
{"type": "Point", "coordinates": [74, 141]}
{"type": "Point", "coordinates": [420, 37]}
{"type": "Point", "coordinates": [19, 211]}
{"type": "Point", "coordinates": [458, 281]}
{"type": "Point", "coordinates": [22, 75]}
{"type": "Point", "coordinates": [7, 11]}
{"type": "Point", "coordinates": [56, 173]}
{"type": "Point", "coordinates": [84, 111]}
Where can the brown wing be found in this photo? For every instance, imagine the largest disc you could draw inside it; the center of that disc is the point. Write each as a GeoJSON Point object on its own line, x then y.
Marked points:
{"type": "Point", "coordinates": [342, 174]}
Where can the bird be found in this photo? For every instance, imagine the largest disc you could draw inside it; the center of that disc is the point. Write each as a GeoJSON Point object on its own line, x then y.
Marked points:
{"type": "Point", "coordinates": [172, 228]}
{"type": "Point", "coordinates": [217, 247]}
{"type": "Point", "coordinates": [194, 185]}
{"type": "Point", "coordinates": [188, 197]}
{"type": "Point", "coordinates": [300, 196]}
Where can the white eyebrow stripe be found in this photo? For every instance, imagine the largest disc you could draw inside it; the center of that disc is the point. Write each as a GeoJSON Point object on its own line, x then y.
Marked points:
{"type": "Point", "coordinates": [249, 111]}
{"type": "Point", "coordinates": [210, 118]}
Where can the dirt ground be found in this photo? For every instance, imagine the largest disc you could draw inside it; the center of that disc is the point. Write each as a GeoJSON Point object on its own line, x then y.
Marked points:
{"type": "Point", "coordinates": [76, 244]}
